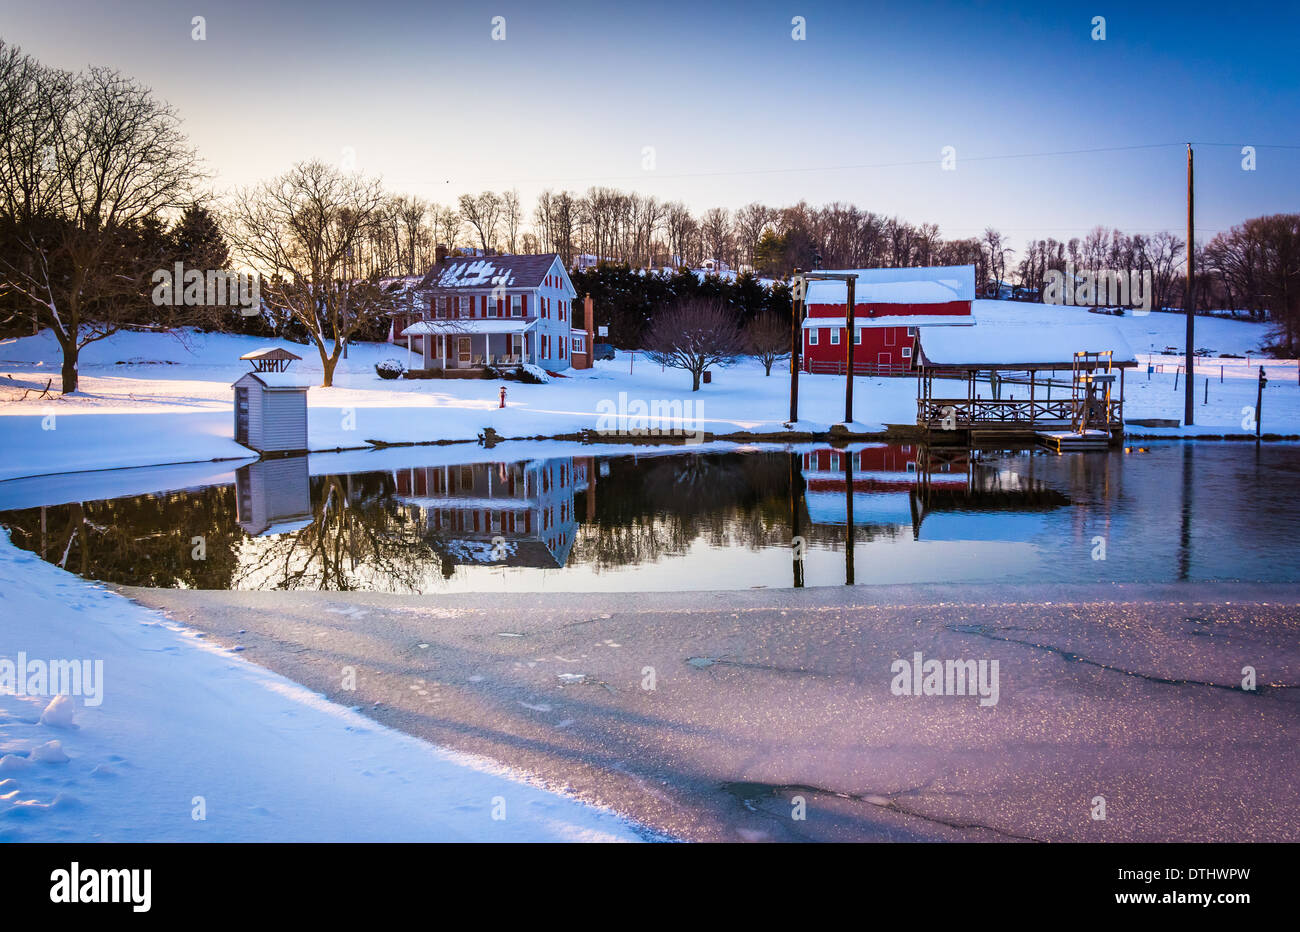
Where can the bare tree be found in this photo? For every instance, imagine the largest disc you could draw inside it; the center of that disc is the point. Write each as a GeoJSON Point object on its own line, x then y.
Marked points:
{"type": "Point", "coordinates": [751, 221]}
{"type": "Point", "coordinates": [87, 165]}
{"type": "Point", "coordinates": [301, 230]}
{"type": "Point", "coordinates": [483, 213]}
{"type": "Point", "coordinates": [512, 215]}
{"type": "Point", "coordinates": [768, 338]}
{"type": "Point", "coordinates": [693, 335]}
{"type": "Point", "coordinates": [445, 224]}
{"type": "Point", "coordinates": [715, 229]}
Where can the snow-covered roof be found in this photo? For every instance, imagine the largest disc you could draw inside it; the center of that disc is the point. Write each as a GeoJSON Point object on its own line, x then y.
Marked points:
{"type": "Point", "coordinates": [277, 379]}
{"type": "Point", "coordinates": [892, 320]}
{"type": "Point", "coordinates": [466, 326]}
{"type": "Point", "coordinates": [1043, 346]}
{"type": "Point", "coordinates": [270, 352]}
{"type": "Point", "coordinates": [479, 272]}
{"type": "Point", "coordinates": [927, 285]}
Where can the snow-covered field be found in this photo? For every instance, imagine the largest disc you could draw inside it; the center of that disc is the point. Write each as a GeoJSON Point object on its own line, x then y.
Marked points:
{"type": "Point", "coordinates": [183, 728]}
{"type": "Point", "coordinates": [155, 398]}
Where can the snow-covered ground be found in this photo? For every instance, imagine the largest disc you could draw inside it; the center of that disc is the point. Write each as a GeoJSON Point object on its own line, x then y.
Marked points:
{"type": "Point", "coordinates": [183, 728]}
{"type": "Point", "coordinates": [155, 398]}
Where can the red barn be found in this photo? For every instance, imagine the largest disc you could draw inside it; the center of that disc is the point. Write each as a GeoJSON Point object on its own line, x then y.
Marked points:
{"type": "Point", "coordinates": [889, 306]}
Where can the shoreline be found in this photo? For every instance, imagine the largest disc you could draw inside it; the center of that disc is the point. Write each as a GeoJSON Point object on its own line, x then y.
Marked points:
{"type": "Point", "coordinates": [591, 438]}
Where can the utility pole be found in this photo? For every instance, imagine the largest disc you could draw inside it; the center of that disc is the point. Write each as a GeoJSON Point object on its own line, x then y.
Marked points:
{"type": "Point", "coordinates": [796, 342]}
{"type": "Point", "coordinates": [849, 334]}
{"type": "Point", "coordinates": [1189, 299]}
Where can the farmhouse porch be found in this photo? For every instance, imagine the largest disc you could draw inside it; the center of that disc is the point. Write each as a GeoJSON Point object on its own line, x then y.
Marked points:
{"type": "Point", "coordinates": [472, 344]}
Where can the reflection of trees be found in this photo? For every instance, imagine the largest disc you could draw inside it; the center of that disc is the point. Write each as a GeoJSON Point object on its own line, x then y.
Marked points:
{"type": "Point", "coordinates": [658, 506]}
{"type": "Point", "coordinates": [359, 538]}
{"type": "Point", "coordinates": [145, 540]}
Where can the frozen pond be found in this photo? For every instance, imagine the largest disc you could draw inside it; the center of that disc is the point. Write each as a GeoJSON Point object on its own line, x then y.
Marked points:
{"type": "Point", "coordinates": [582, 518]}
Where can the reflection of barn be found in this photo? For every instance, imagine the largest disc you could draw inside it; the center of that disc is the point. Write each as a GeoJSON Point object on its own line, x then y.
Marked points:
{"type": "Point", "coordinates": [274, 496]}
{"type": "Point", "coordinates": [500, 514]}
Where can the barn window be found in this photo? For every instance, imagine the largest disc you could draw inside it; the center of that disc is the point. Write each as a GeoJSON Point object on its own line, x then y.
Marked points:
{"type": "Point", "coordinates": [835, 336]}
{"type": "Point", "coordinates": [911, 331]}
{"type": "Point", "coordinates": [812, 337]}
{"type": "Point", "coordinates": [907, 352]}
{"type": "Point", "coordinates": [857, 336]}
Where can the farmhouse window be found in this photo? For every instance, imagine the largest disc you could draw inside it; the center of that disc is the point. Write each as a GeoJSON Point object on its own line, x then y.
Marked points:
{"type": "Point", "coordinates": [516, 305]}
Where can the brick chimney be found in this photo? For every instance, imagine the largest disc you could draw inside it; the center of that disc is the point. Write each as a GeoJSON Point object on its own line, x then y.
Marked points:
{"type": "Point", "coordinates": [440, 253]}
{"type": "Point", "coordinates": [589, 312]}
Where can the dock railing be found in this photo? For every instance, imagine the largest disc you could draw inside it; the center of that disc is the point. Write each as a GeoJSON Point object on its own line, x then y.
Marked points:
{"type": "Point", "coordinates": [963, 413]}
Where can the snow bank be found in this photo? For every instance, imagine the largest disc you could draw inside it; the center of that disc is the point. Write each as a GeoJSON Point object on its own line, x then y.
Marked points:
{"type": "Point", "coordinates": [186, 728]}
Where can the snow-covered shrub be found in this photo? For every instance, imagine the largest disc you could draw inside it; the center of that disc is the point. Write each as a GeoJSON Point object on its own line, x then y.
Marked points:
{"type": "Point", "coordinates": [533, 375]}
{"type": "Point", "coordinates": [390, 369]}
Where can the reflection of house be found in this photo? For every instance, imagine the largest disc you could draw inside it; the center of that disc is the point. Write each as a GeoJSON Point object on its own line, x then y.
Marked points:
{"type": "Point", "coordinates": [500, 514]}
{"type": "Point", "coordinates": [889, 308]}
{"type": "Point", "coordinates": [274, 496]}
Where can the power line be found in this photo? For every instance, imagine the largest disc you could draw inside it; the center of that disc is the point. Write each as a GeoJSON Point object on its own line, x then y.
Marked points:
{"type": "Point", "coordinates": [862, 166]}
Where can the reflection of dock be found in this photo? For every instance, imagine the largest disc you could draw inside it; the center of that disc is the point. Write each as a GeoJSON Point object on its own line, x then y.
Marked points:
{"type": "Point", "coordinates": [992, 504]}
{"type": "Point", "coordinates": [499, 514]}
{"type": "Point", "coordinates": [947, 489]}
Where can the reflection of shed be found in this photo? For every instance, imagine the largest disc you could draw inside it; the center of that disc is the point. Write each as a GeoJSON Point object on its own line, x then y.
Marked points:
{"type": "Point", "coordinates": [271, 404]}
{"type": "Point", "coordinates": [274, 496]}
{"type": "Point", "coordinates": [1019, 362]}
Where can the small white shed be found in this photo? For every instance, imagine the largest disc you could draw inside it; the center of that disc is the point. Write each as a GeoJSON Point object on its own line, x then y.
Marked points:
{"type": "Point", "coordinates": [271, 404]}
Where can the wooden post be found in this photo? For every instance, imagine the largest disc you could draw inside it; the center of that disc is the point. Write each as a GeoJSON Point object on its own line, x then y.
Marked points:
{"type": "Point", "coordinates": [1190, 298]}
{"type": "Point", "coordinates": [796, 545]}
{"type": "Point", "coordinates": [796, 344]}
{"type": "Point", "coordinates": [848, 507]}
{"type": "Point", "coordinates": [849, 335]}
{"type": "Point", "coordinates": [1259, 403]}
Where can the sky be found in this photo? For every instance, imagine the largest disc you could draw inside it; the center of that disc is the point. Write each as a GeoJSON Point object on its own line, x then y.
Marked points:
{"type": "Point", "coordinates": [719, 104]}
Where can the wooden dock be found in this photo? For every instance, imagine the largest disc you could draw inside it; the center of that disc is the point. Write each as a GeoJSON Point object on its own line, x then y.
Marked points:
{"type": "Point", "coordinates": [1065, 442]}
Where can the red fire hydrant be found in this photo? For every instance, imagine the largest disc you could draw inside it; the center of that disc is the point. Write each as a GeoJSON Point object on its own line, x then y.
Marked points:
{"type": "Point", "coordinates": [503, 396]}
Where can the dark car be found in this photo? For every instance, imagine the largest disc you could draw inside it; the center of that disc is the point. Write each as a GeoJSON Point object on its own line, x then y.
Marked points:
{"type": "Point", "coordinates": [603, 351]}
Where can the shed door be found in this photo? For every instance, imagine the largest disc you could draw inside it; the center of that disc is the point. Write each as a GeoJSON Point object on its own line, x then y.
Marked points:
{"type": "Point", "coordinates": [241, 415]}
